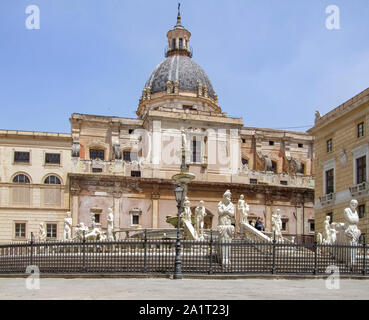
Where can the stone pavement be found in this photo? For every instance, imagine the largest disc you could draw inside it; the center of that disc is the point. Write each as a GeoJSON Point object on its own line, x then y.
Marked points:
{"type": "Point", "coordinates": [165, 289]}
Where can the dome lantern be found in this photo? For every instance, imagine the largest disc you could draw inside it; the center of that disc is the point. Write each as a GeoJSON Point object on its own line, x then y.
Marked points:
{"type": "Point", "coordinates": [178, 39]}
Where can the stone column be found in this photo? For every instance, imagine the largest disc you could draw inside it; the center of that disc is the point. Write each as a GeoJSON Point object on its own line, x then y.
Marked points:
{"type": "Point", "coordinates": [299, 220]}
{"type": "Point", "coordinates": [156, 143]}
{"type": "Point", "coordinates": [155, 197]}
{"type": "Point", "coordinates": [235, 149]}
{"type": "Point", "coordinates": [268, 211]}
{"type": "Point", "coordinates": [117, 195]}
{"type": "Point", "coordinates": [74, 192]}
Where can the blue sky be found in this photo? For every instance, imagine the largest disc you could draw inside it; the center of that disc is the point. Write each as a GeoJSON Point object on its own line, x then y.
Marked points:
{"type": "Point", "coordinates": [272, 62]}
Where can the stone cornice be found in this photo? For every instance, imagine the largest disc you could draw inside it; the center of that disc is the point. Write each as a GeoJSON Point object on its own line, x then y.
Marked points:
{"type": "Point", "coordinates": [35, 134]}
{"type": "Point", "coordinates": [341, 110]}
{"type": "Point", "coordinates": [183, 116]}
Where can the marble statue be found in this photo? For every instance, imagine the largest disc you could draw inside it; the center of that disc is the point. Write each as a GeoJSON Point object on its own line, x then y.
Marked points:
{"type": "Point", "coordinates": [41, 232]}
{"type": "Point", "coordinates": [184, 138]}
{"type": "Point", "coordinates": [78, 231]}
{"type": "Point", "coordinates": [225, 227]}
{"type": "Point", "coordinates": [187, 214]}
{"type": "Point", "coordinates": [243, 209]}
{"type": "Point", "coordinates": [110, 220]}
{"type": "Point", "coordinates": [93, 221]}
{"type": "Point", "coordinates": [277, 225]}
{"type": "Point", "coordinates": [327, 233]}
{"type": "Point", "coordinates": [68, 227]}
{"type": "Point", "coordinates": [352, 232]}
{"type": "Point", "coordinates": [189, 230]}
{"type": "Point", "coordinates": [200, 214]}
{"type": "Point", "coordinates": [348, 234]}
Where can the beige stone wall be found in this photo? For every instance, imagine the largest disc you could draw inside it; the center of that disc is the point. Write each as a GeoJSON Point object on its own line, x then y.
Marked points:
{"type": "Point", "coordinates": [340, 125]}
{"type": "Point", "coordinates": [35, 202]}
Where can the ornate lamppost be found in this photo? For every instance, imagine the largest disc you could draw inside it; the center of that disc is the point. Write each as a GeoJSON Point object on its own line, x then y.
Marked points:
{"type": "Point", "coordinates": [182, 180]}
{"type": "Point", "coordinates": [179, 193]}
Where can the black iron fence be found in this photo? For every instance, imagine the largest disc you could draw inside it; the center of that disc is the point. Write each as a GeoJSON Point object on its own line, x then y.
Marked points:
{"type": "Point", "coordinates": [150, 256]}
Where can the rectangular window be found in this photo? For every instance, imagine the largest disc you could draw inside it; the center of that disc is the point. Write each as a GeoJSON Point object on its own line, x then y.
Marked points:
{"type": "Point", "coordinates": [329, 145]}
{"type": "Point", "coordinates": [52, 158]}
{"type": "Point", "coordinates": [360, 130]}
{"type": "Point", "coordinates": [51, 231]}
{"type": "Point", "coordinates": [180, 43]}
{"type": "Point", "coordinates": [131, 131]}
{"type": "Point", "coordinates": [284, 183]}
{"type": "Point", "coordinates": [329, 181]}
{"type": "Point", "coordinates": [97, 154]}
{"type": "Point", "coordinates": [20, 230]}
{"type": "Point", "coordinates": [21, 157]}
{"type": "Point", "coordinates": [361, 170]}
{"type": "Point", "coordinates": [136, 174]}
{"type": "Point", "coordinates": [271, 143]}
{"type": "Point", "coordinates": [196, 151]}
{"type": "Point", "coordinates": [361, 211]}
{"type": "Point", "coordinates": [284, 225]}
{"type": "Point", "coordinates": [129, 156]}
{"type": "Point", "coordinates": [302, 169]}
{"type": "Point", "coordinates": [135, 220]}
{"type": "Point", "coordinates": [312, 225]}
{"type": "Point", "coordinates": [253, 181]}
{"type": "Point", "coordinates": [243, 141]}
{"type": "Point", "coordinates": [97, 217]}
{"type": "Point", "coordinates": [97, 170]}
{"type": "Point", "coordinates": [300, 145]}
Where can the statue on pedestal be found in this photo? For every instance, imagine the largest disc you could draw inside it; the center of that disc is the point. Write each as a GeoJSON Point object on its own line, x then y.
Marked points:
{"type": "Point", "coordinates": [79, 230]}
{"type": "Point", "coordinates": [225, 227]}
{"type": "Point", "coordinates": [68, 227]}
{"type": "Point", "coordinates": [243, 209]}
{"type": "Point", "coordinates": [348, 234]}
{"type": "Point", "coordinates": [186, 214]}
{"type": "Point", "coordinates": [110, 220]}
{"type": "Point", "coordinates": [190, 232]}
{"type": "Point", "coordinates": [42, 233]}
{"type": "Point", "coordinates": [277, 225]}
{"type": "Point", "coordinates": [352, 232]}
{"type": "Point", "coordinates": [200, 214]}
{"type": "Point", "coordinates": [327, 233]}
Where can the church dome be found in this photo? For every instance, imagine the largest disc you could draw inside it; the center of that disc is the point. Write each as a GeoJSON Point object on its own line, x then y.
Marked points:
{"type": "Point", "coordinates": [179, 68]}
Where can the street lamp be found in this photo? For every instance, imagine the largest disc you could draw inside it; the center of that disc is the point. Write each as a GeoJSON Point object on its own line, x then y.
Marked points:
{"type": "Point", "coordinates": [179, 193]}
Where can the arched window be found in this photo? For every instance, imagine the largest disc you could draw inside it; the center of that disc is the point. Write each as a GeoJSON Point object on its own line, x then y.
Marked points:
{"type": "Point", "coordinates": [21, 178]}
{"type": "Point", "coordinates": [52, 180]}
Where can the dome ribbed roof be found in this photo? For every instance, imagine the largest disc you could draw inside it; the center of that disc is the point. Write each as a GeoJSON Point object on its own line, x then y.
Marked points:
{"type": "Point", "coordinates": [181, 68]}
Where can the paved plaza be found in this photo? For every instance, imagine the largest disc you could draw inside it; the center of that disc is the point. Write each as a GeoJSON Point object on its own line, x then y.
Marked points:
{"type": "Point", "coordinates": [195, 289]}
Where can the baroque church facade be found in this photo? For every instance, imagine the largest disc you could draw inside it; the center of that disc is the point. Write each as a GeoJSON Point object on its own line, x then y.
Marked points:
{"type": "Point", "coordinates": [127, 164]}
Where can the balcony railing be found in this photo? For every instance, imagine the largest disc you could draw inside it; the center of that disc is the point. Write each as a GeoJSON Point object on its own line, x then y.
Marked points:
{"type": "Point", "coordinates": [328, 199]}
{"type": "Point", "coordinates": [359, 189]}
{"type": "Point", "coordinates": [278, 178]}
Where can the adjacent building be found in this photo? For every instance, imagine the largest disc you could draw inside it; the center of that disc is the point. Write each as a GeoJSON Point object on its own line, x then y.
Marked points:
{"type": "Point", "coordinates": [34, 187]}
{"type": "Point", "coordinates": [341, 161]}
